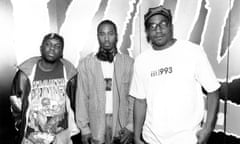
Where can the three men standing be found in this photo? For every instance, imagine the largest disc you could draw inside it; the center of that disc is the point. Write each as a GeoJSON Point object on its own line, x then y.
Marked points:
{"type": "Point", "coordinates": [167, 86]}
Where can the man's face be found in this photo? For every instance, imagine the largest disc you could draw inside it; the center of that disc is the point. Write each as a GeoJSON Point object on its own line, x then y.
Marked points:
{"type": "Point", "coordinates": [159, 31]}
{"type": "Point", "coordinates": [107, 36]}
{"type": "Point", "coordinates": [52, 50]}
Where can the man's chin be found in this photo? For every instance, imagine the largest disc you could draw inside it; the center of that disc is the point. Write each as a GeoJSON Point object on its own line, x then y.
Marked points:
{"type": "Point", "coordinates": [159, 44]}
{"type": "Point", "coordinates": [51, 60]}
{"type": "Point", "coordinates": [107, 48]}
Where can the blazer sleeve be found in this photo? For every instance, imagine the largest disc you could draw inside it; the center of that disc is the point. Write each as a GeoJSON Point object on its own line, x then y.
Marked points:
{"type": "Point", "coordinates": [82, 99]}
{"type": "Point", "coordinates": [130, 99]}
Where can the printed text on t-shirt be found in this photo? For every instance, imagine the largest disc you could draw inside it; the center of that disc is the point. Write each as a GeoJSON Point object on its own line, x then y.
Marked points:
{"type": "Point", "coordinates": [161, 71]}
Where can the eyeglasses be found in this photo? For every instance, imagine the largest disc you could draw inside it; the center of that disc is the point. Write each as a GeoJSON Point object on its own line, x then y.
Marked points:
{"type": "Point", "coordinates": [161, 25]}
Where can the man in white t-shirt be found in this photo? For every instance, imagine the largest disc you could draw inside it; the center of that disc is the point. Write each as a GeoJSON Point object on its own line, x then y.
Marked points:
{"type": "Point", "coordinates": [167, 83]}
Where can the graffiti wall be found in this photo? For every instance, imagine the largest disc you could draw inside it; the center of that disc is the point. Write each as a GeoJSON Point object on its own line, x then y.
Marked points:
{"type": "Point", "coordinates": [214, 24]}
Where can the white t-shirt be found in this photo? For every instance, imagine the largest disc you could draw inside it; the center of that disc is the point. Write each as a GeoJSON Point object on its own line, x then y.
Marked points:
{"type": "Point", "coordinates": [107, 69]}
{"type": "Point", "coordinates": [170, 80]}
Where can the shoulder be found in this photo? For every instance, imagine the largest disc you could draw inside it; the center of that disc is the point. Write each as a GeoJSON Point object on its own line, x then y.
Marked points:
{"type": "Point", "coordinates": [125, 57]}
{"type": "Point", "coordinates": [188, 44]}
{"type": "Point", "coordinates": [87, 61]}
{"type": "Point", "coordinates": [89, 58]}
{"type": "Point", "coordinates": [70, 69]}
{"type": "Point", "coordinates": [30, 61]}
{"type": "Point", "coordinates": [27, 66]}
{"type": "Point", "coordinates": [143, 56]}
{"type": "Point", "coordinates": [190, 47]}
{"type": "Point", "coordinates": [67, 63]}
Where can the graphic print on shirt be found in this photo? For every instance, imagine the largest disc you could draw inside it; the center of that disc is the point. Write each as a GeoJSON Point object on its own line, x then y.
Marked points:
{"type": "Point", "coordinates": [108, 84]}
{"type": "Point", "coordinates": [47, 111]}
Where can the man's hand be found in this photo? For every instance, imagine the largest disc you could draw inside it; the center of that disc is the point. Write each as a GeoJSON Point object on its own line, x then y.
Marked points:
{"type": "Point", "coordinates": [138, 141]}
{"type": "Point", "coordinates": [86, 139]}
{"type": "Point", "coordinates": [203, 135]}
{"type": "Point", "coordinates": [212, 110]}
{"type": "Point", "coordinates": [126, 136]}
{"type": "Point", "coordinates": [62, 138]}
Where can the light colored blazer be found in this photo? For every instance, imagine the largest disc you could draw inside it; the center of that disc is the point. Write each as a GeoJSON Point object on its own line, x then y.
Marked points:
{"type": "Point", "coordinates": [91, 99]}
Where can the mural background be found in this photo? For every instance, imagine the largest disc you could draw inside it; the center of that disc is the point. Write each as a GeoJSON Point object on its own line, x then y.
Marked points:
{"type": "Point", "coordinates": [213, 24]}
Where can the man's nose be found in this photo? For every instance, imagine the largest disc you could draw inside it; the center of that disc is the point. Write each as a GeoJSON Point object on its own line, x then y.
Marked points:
{"type": "Point", "coordinates": [158, 28]}
{"type": "Point", "coordinates": [106, 38]}
{"type": "Point", "coordinates": [52, 47]}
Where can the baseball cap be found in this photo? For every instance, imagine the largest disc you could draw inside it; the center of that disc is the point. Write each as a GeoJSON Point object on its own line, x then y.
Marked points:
{"type": "Point", "coordinates": [158, 10]}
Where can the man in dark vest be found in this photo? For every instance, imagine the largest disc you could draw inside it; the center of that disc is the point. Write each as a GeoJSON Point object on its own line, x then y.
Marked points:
{"type": "Point", "coordinates": [44, 92]}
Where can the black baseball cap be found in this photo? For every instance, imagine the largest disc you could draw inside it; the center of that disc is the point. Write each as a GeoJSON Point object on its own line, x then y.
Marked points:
{"type": "Point", "coordinates": [160, 10]}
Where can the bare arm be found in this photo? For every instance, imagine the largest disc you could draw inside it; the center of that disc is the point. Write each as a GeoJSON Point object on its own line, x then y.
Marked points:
{"type": "Point", "coordinates": [212, 110]}
{"type": "Point", "coordinates": [139, 111]}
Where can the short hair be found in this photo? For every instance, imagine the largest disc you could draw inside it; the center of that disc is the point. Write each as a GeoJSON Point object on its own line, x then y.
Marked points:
{"type": "Point", "coordinates": [107, 22]}
{"type": "Point", "coordinates": [53, 36]}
